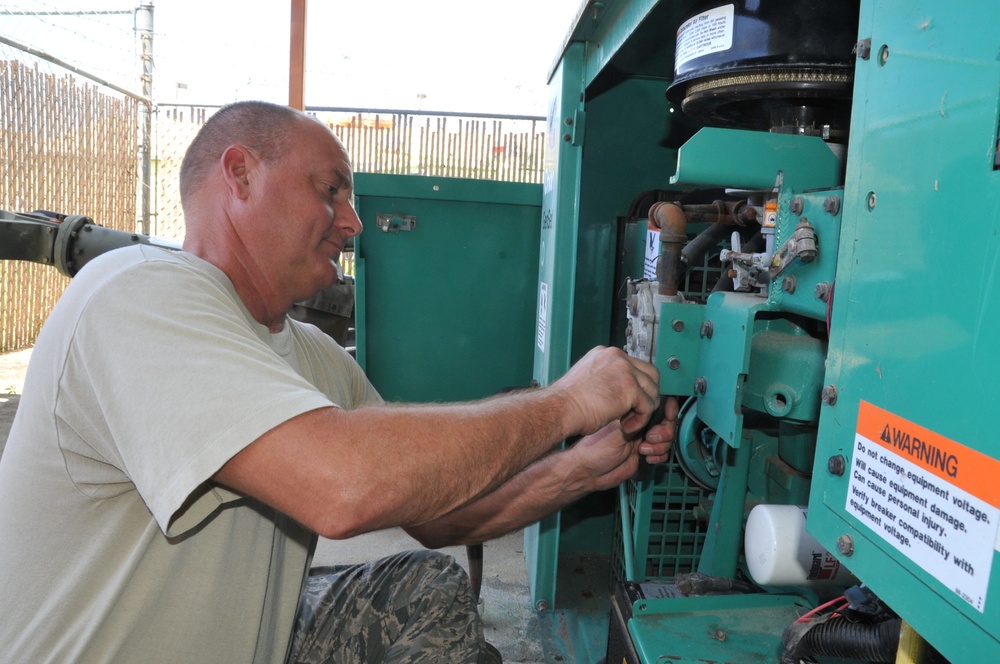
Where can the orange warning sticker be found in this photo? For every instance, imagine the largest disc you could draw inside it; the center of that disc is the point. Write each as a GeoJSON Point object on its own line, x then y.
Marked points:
{"type": "Point", "coordinates": [960, 466]}
{"type": "Point", "coordinates": [934, 500]}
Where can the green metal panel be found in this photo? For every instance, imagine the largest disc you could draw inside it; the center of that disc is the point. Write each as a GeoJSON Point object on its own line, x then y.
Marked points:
{"type": "Point", "coordinates": [917, 309]}
{"type": "Point", "coordinates": [556, 285]}
{"type": "Point", "coordinates": [752, 160]}
{"type": "Point", "coordinates": [741, 628]}
{"type": "Point", "coordinates": [446, 309]}
{"type": "Point", "coordinates": [825, 219]}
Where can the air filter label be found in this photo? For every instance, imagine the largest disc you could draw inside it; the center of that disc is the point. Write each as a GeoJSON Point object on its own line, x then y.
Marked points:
{"type": "Point", "coordinates": [709, 32]}
{"type": "Point", "coordinates": [936, 501]}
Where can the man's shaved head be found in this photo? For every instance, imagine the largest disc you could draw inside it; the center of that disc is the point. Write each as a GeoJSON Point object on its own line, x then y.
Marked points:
{"type": "Point", "coordinates": [261, 126]}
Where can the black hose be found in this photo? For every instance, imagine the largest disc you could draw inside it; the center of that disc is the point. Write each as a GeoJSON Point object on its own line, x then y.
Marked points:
{"type": "Point", "coordinates": [838, 637]}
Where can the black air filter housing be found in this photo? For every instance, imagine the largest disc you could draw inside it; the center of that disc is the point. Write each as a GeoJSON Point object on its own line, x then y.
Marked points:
{"type": "Point", "coordinates": [776, 65]}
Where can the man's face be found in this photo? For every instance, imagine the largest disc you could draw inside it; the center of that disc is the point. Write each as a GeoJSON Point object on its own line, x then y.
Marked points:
{"type": "Point", "coordinates": [305, 213]}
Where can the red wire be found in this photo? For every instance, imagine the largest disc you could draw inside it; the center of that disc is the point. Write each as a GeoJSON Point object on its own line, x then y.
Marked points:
{"type": "Point", "coordinates": [808, 615]}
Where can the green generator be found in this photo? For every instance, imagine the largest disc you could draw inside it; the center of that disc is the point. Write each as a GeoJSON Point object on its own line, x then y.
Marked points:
{"type": "Point", "coordinates": [791, 208]}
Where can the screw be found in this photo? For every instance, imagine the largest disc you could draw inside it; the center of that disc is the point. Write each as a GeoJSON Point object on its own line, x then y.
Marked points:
{"type": "Point", "coordinates": [829, 395]}
{"type": "Point", "coordinates": [700, 385]}
{"type": "Point", "coordinates": [673, 362]}
{"type": "Point", "coordinates": [569, 121]}
{"type": "Point", "coordinates": [707, 329]}
{"type": "Point", "coordinates": [788, 285]}
{"type": "Point", "coordinates": [823, 291]}
{"type": "Point", "coordinates": [795, 207]}
{"type": "Point", "coordinates": [541, 605]}
{"type": "Point", "coordinates": [836, 465]}
{"type": "Point", "coordinates": [678, 325]}
{"type": "Point", "coordinates": [567, 138]}
{"type": "Point", "coordinates": [871, 200]}
{"type": "Point", "coordinates": [845, 545]}
{"type": "Point", "coordinates": [883, 54]}
{"type": "Point", "coordinates": [832, 204]}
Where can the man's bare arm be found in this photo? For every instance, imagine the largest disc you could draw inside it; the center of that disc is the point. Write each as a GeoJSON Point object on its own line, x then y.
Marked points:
{"type": "Point", "coordinates": [599, 461]}
{"type": "Point", "coordinates": [342, 473]}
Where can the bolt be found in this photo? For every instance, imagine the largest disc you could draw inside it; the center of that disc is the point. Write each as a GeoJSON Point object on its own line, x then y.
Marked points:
{"type": "Point", "coordinates": [845, 545]}
{"type": "Point", "coordinates": [832, 204]}
{"type": "Point", "coordinates": [795, 207]}
{"type": "Point", "coordinates": [788, 285]}
{"type": "Point", "coordinates": [864, 48]}
{"type": "Point", "coordinates": [700, 385]}
{"type": "Point", "coordinates": [871, 200]}
{"type": "Point", "coordinates": [823, 291]}
{"type": "Point", "coordinates": [569, 121]}
{"type": "Point", "coordinates": [707, 329]}
{"type": "Point", "coordinates": [567, 138]}
{"type": "Point", "coordinates": [829, 395]}
{"type": "Point", "coordinates": [678, 325]}
{"type": "Point", "coordinates": [673, 363]}
{"type": "Point", "coordinates": [541, 606]}
{"type": "Point", "coordinates": [836, 465]}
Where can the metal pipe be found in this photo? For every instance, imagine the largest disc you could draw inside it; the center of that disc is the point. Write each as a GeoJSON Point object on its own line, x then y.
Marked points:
{"type": "Point", "coordinates": [672, 222]}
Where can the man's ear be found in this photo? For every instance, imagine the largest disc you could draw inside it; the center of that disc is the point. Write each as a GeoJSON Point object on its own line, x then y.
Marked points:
{"type": "Point", "coordinates": [237, 162]}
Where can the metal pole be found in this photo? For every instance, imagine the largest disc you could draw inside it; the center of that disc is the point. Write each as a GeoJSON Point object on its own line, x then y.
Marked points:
{"type": "Point", "coordinates": [144, 26]}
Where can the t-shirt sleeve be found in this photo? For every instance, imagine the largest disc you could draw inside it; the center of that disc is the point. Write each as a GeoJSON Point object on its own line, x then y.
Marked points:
{"type": "Point", "coordinates": [166, 379]}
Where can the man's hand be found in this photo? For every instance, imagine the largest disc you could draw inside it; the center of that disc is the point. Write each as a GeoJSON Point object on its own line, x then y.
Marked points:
{"type": "Point", "coordinates": [608, 457]}
{"type": "Point", "coordinates": [607, 384]}
{"type": "Point", "coordinates": [655, 445]}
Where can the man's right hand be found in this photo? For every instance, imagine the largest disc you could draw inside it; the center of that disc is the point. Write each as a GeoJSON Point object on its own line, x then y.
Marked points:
{"type": "Point", "coordinates": [607, 384]}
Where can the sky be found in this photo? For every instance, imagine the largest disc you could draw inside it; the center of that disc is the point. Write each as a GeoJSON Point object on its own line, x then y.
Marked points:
{"type": "Point", "coordinates": [438, 55]}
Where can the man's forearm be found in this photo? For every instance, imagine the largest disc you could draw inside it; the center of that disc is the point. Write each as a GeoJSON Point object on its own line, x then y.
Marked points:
{"type": "Point", "coordinates": [545, 487]}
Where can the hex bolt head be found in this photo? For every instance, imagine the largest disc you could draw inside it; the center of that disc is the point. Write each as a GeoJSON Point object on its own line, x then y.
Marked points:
{"type": "Point", "coordinates": [796, 205]}
{"type": "Point", "coordinates": [707, 329]}
{"type": "Point", "coordinates": [677, 325]}
{"type": "Point", "coordinates": [823, 291]}
{"type": "Point", "coordinates": [845, 545]}
{"type": "Point", "coordinates": [788, 285]}
{"type": "Point", "coordinates": [836, 465]}
{"type": "Point", "coordinates": [829, 395]}
{"type": "Point", "coordinates": [831, 205]}
{"type": "Point", "coordinates": [700, 385]}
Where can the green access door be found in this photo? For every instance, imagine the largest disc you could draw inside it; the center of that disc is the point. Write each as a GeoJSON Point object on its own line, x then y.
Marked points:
{"type": "Point", "coordinates": [447, 281]}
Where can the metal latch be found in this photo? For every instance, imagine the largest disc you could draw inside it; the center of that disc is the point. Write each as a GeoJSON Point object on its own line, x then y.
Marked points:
{"type": "Point", "coordinates": [393, 223]}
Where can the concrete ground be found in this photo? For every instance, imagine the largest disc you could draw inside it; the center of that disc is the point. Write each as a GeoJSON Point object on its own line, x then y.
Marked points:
{"type": "Point", "coordinates": [510, 620]}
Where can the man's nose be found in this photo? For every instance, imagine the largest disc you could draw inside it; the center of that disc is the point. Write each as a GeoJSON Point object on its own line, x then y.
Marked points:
{"type": "Point", "coordinates": [348, 221]}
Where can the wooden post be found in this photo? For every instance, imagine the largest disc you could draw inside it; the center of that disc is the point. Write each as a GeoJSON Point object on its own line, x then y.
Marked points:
{"type": "Point", "coordinates": [297, 59]}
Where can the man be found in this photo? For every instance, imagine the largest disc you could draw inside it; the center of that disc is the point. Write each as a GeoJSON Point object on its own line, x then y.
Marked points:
{"type": "Point", "coordinates": [181, 441]}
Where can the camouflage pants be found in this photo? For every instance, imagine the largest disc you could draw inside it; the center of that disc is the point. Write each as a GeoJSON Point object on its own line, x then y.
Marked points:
{"type": "Point", "coordinates": [411, 607]}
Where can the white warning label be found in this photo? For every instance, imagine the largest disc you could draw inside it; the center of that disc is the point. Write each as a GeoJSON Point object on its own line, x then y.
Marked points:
{"type": "Point", "coordinates": [543, 314]}
{"type": "Point", "coordinates": [923, 494]}
{"type": "Point", "coordinates": [652, 254]}
{"type": "Point", "coordinates": [709, 32]}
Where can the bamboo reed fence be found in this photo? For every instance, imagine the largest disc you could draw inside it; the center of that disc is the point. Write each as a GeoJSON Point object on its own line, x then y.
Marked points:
{"type": "Point", "coordinates": [71, 147]}
{"type": "Point", "coordinates": [68, 147]}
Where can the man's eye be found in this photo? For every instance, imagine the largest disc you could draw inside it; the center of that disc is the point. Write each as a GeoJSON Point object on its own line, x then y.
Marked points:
{"type": "Point", "coordinates": [332, 190]}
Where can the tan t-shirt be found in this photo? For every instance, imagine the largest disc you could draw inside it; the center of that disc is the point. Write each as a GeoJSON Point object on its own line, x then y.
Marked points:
{"type": "Point", "coordinates": [148, 376]}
